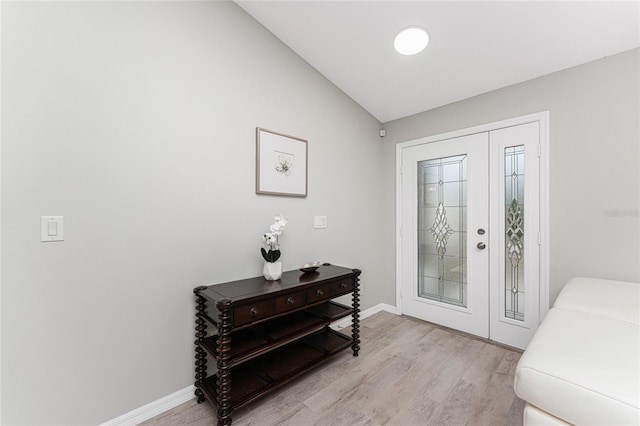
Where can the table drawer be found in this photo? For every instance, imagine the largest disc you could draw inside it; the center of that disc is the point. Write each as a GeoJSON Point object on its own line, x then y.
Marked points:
{"type": "Point", "coordinates": [342, 286]}
{"type": "Point", "coordinates": [318, 293]}
{"type": "Point", "coordinates": [251, 312]}
{"type": "Point", "coordinates": [290, 301]}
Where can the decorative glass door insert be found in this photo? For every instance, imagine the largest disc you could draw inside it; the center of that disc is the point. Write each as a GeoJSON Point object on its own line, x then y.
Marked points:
{"type": "Point", "coordinates": [514, 232]}
{"type": "Point", "coordinates": [442, 199]}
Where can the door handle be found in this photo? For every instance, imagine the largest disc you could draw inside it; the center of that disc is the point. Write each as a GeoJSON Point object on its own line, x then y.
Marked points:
{"type": "Point", "coordinates": [481, 245]}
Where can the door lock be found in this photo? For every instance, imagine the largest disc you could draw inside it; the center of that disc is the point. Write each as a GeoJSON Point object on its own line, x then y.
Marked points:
{"type": "Point", "coordinates": [481, 246]}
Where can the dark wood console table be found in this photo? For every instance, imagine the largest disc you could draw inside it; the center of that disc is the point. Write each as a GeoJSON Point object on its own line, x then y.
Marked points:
{"type": "Point", "coordinates": [266, 333]}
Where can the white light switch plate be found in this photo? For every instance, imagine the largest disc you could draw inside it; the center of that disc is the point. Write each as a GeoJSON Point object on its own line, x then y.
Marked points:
{"type": "Point", "coordinates": [51, 228]}
{"type": "Point", "coordinates": [319, 222]}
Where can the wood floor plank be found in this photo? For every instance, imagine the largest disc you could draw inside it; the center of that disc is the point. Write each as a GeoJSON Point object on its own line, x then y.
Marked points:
{"type": "Point", "coordinates": [400, 394]}
{"type": "Point", "coordinates": [459, 405]}
{"type": "Point", "coordinates": [509, 363]}
{"type": "Point", "coordinates": [409, 373]}
{"type": "Point", "coordinates": [344, 415]}
{"type": "Point", "coordinates": [496, 400]}
{"type": "Point", "coordinates": [484, 365]}
{"type": "Point", "coordinates": [375, 388]}
{"type": "Point", "coordinates": [302, 416]}
{"type": "Point", "coordinates": [398, 341]}
{"type": "Point", "coordinates": [445, 379]}
{"type": "Point", "coordinates": [417, 412]}
{"type": "Point", "coordinates": [268, 410]}
{"type": "Point", "coordinates": [514, 417]}
{"type": "Point", "coordinates": [382, 322]}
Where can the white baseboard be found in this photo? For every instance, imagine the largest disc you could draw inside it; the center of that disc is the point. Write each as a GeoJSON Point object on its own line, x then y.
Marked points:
{"type": "Point", "coordinates": [152, 409]}
{"type": "Point", "coordinates": [346, 322]}
{"type": "Point", "coordinates": [155, 408]}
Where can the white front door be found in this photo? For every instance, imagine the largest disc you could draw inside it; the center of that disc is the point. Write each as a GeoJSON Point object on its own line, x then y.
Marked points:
{"type": "Point", "coordinates": [470, 224]}
{"type": "Point", "coordinates": [445, 203]}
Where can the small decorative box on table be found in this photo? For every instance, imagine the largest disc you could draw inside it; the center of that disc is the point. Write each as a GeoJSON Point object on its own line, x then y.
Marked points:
{"type": "Point", "coordinates": [266, 333]}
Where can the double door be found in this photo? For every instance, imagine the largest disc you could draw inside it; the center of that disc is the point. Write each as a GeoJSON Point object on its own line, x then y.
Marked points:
{"type": "Point", "coordinates": [470, 232]}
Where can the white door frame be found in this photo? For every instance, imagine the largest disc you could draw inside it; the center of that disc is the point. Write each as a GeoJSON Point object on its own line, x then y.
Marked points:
{"type": "Point", "coordinates": [543, 119]}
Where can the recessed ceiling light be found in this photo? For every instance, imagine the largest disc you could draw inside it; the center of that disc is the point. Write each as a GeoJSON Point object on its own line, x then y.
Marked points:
{"type": "Point", "coordinates": [411, 40]}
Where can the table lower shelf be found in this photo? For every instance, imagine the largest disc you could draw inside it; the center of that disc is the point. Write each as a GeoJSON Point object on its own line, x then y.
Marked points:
{"type": "Point", "coordinates": [266, 373]}
{"type": "Point", "coordinates": [248, 343]}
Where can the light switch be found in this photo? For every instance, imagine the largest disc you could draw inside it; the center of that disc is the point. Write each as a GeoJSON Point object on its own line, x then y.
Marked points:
{"type": "Point", "coordinates": [51, 228]}
{"type": "Point", "coordinates": [319, 222]}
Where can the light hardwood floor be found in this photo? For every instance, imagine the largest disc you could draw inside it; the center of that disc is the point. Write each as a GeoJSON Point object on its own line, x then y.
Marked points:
{"type": "Point", "coordinates": [409, 372]}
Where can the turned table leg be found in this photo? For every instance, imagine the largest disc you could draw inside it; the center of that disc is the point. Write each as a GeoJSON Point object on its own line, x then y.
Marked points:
{"type": "Point", "coordinates": [355, 326]}
{"type": "Point", "coordinates": [201, 333]}
{"type": "Point", "coordinates": [224, 354]}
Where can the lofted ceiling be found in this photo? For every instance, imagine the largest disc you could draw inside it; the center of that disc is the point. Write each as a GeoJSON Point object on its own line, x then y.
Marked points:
{"type": "Point", "coordinates": [475, 46]}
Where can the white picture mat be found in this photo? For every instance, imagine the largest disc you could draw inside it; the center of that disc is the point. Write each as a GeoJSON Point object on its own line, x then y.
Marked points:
{"type": "Point", "coordinates": [281, 165]}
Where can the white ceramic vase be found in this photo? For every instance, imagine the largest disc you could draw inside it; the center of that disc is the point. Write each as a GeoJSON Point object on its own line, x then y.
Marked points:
{"type": "Point", "coordinates": [272, 270]}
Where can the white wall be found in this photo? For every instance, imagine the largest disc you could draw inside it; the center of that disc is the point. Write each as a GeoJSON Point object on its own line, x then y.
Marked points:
{"type": "Point", "coordinates": [136, 122]}
{"type": "Point", "coordinates": [594, 162]}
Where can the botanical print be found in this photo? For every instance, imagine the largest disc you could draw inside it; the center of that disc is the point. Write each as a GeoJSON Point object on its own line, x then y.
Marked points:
{"type": "Point", "coordinates": [283, 163]}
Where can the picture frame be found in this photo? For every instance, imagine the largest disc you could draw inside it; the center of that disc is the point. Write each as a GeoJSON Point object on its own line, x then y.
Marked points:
{"type": "Point", "coordinates": [281, 164]}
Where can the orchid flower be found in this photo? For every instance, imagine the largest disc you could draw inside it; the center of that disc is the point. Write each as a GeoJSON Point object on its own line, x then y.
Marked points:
{"type": "Point", "coordinates": [271, 239]}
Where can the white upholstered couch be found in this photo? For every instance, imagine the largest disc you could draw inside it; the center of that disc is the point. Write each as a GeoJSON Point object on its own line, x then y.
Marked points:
{"type": "Point", "coordinates": [582, 365]}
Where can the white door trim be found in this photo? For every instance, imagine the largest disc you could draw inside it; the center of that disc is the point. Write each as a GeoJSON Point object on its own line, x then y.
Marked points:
{"type": "Point", "coordinates": [543, 119]}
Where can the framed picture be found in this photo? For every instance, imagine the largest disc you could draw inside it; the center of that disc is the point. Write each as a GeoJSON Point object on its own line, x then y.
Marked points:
{"type": "Point", "coordinates": [281, 164]}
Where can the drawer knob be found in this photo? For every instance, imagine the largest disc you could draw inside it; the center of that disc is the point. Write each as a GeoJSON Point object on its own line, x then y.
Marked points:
{"type": "Point", "coordinates": [290, 301]}
{"type": "Point", "coordinates": [253, 312]}
{"type": "Point", "coordinates": [319, 292]}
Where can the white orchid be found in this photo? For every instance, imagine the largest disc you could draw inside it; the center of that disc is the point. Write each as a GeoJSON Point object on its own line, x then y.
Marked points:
{"type": "Point", "coordinates": [271, 239]}
{"type": "Point", "coordinates": [275, 229]}
{"type": "Point", "coordinates": [278, 226]}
